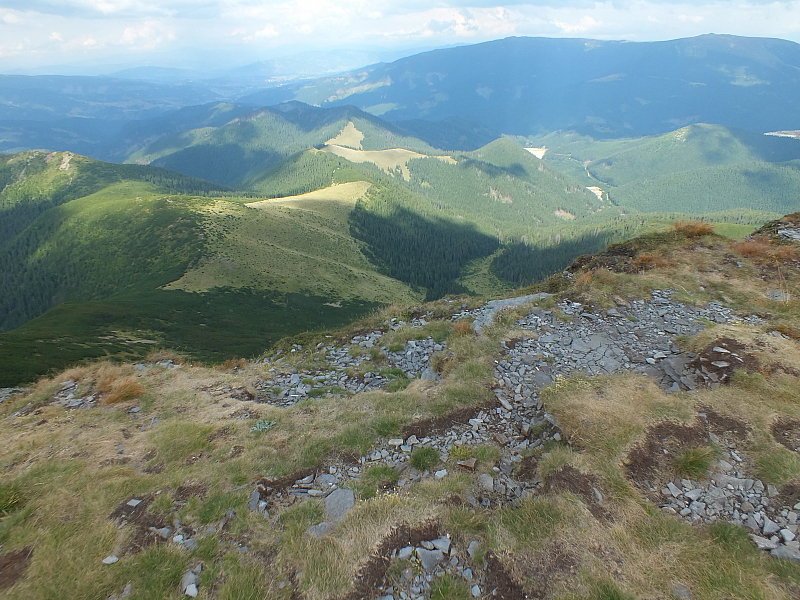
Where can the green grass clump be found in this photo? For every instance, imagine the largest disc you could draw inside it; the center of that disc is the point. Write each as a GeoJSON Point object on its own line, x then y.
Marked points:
{"type": "Point", "coordinates": [534, 519]}
{"type": "Point", "coordinates": [448, 587]}
{"type": "Point", "coordinates": [466, 520]}
{"type": "Point", "coordinates": [215, 507]}
{"type": "Point", "coordinates": [11, 498]}
{"type": "Point", "coordinates": [158, 572]}
{"type": "Point", "coordinates": [354, 438]}
{"type": "Point", "coordinates": [694, 462]}
{"type": "Point", "coordinates": [386, 426]}
{"type": "Point", "coordinates": [608, 590]}
{"type": "Point", "coordinates": [243, 582]}
{"type": "Point", "coordinates": [424, 458]}
{"type": "Point", "coordinates": [778, 465]}
{"type": "Point", "coordinates": [377, 477]}
{"type": "Point", "coordinates": [181, 439]}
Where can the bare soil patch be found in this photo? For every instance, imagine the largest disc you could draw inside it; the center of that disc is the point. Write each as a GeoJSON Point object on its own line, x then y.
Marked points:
{"type": "Point", "coordinates": [274, 491]}
{"type": "Point", "coordinates": [528, 469]}
{"type": "Point", "coordinates": [545, 569]}
{"type": "Point", "coordinates": [141, 519]}
{"type": "Point", "coordinates": [786, 431]}
{"type": "Point", "coordinates": [244, 413]}
{"type": "Point", "coordinates": [723, 426]}
{"type": "Point", "coordinates": [435, 425]}
{"type": "Point", "coordinates": [222, 432]}
{"type": "Point", "coordinates": [650, 463]}
{"type": "Point", "coordinates": [499, 584]}
{"type": "Point", "coordinates": [789, 494]}
{"type": "Point", "coordinates": [13, 566]}
{"type": "Point", "coordinates": [720, 358]}
{"type": "Point", "coordinates": [190, 489]}
{"type": "Point", "coordinates": [372, 574]}
{"type": "Point", "coordinates": [570, 479]}
{"type": "Point", "coordinates": [115, 462]}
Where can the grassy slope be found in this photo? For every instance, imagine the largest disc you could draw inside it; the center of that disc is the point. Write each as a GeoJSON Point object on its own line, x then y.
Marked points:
{"type": "Point", "coordinates": [60, 498]}
{"type": "Point", "coordinates": [242, 149]}
{"type": "Point", "coordinates": [299, 244]}
{"type": "Point", "coordinates": [130, 234]}
{"type": "Point", "coordinates": [100, 262]}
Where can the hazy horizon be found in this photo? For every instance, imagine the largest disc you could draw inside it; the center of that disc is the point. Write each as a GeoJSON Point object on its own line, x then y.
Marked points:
{"type": "Point", "coordinates": [103, 36]}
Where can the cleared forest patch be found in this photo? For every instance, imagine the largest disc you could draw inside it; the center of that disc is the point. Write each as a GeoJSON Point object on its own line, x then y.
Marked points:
{"type": "Point", "coordinates": [388, 160]}
{"type": "Point", "coordinates": [349, 137]}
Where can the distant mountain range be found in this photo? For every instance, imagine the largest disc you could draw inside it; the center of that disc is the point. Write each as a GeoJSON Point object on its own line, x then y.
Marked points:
{"type": "Point", "coordinates": [605, 89]}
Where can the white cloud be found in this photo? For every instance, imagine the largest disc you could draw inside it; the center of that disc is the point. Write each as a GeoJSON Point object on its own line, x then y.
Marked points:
{"type": "Point", "coordinates": [583, 25]}
{"type": "Point", "coordinates": [83, 29]}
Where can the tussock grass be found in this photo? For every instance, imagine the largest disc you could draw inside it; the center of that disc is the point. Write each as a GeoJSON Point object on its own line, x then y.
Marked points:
{"type": "Point", "coordinates": [694, 463]}
{"type": "Point", "coordinates": [424, 458]}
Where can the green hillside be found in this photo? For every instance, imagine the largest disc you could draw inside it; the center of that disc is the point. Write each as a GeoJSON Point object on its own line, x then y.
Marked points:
{"type": "Point", "coordinates": [242, 149]}
{"type": "Point", "coordinates": [133, 266]}
{"type": "Point", "coordinates": [332, 214]}
{"type": "Point", "coordinates": [33, 182]}
{"type": "Point", "coordinates": [695, 170]}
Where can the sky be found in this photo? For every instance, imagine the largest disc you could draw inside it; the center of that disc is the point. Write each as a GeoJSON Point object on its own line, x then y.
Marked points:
{"type": "Point", "coordinates": [93, 35]}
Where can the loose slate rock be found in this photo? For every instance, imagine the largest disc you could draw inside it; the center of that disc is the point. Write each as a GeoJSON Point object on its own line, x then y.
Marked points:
{"type": "Point", "coordinates": [429, 558]}
{"type": "Point", "coordinates": [321, 529]}
{"type": "Point", "coordinates": [786, 553]}
{"type": "Point", "coordinates": [338, 503]}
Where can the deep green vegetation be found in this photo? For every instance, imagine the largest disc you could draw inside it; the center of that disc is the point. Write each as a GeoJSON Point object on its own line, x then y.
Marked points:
{"type": "Point", "coordinates": [211, 326]}
{"type": "Point", "coordinates": [33, 182]}
{"type": "Point", "coordinates": [695, 170]}
{"type": "Point", "coordinates": [425, 253]}
{"type": "Point", "coordinates": [239, 152]}
{"type": "Point", "coordinates": [126, 235]}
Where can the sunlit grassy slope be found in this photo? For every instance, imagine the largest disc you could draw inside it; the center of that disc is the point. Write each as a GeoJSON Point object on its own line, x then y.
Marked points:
{"type": "Point", "coordinates": [299, 244]}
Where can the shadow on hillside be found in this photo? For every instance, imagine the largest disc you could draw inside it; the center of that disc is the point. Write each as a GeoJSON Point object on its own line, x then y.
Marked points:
{"type": "Point", "coordinates": [420, 251]}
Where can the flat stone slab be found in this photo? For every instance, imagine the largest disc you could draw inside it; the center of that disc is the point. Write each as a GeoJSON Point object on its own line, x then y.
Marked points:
{"type": "Point", "coordinates": [429, 558]}
{"type": "Point", "coordinates": [338, 503]}
{"type": "Point", "coordinates": [321, 529]}
{"type": "Point", "coordinates": [786, 553]}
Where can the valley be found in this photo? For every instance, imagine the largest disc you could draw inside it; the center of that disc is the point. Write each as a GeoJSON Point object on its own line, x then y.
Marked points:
{"type": "Point", "coordinates": [328, 205]}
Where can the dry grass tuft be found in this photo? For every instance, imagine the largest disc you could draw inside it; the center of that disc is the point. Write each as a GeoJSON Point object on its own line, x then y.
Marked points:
{"type": "Point", "coordinates": [651, 261]}
{"type": "Point", "coordinates": [232, 364]}
{"type": "Point", "coordinates": [126, 388]}
{"type": "Point", "coordinates": [463, 328]}
{"type": "Point", "coordinates": [694, 229]}
{"type": "Point", "coordinates": [765, 250]}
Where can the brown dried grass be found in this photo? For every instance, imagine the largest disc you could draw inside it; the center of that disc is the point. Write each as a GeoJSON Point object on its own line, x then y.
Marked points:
{"type": "Point", "coordinates": [651, 261]}
{"type": "Point", "coordinates": [463, 328]}
{"type": "Point", "coordinates": [123, 389]}
{"type": "Point", "coordinates": [764, 249]}
{"type": "Point", "coordinates": [694, 229]}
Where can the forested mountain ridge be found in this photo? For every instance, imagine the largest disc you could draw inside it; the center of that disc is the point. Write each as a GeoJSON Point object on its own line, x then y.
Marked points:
{"type": "Point", "coordinates": [695, 169]}
{"type": "Point", "coordinates": [607, 89]}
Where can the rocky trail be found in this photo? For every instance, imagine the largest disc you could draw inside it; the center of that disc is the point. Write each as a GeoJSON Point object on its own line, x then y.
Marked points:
{"type": "Point", "coordinates": [548, 346]}
{"type": "Point", "coordinates": [641, 338]}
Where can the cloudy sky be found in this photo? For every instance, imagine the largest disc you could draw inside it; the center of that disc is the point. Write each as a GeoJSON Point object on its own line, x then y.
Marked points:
{"type": "Point", "coordinates": [190, 33]}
